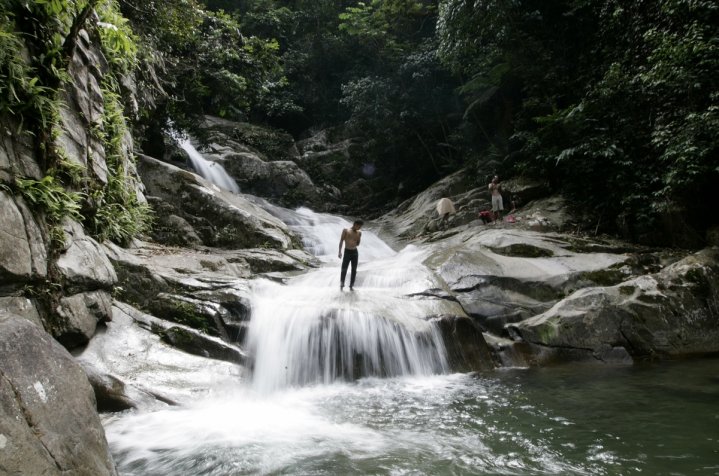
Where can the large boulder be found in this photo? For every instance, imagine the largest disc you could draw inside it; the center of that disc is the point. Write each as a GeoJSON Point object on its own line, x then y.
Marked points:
{"type": "Point", "coordinates": [502, 275]}
{"type": "Point", "coordinates": [467, 351]}
{"type": "Point", "coordinates": [23, 252]}
{"type": "Point", "coordinates": [329, 160]}
{"type": "Point", "coordinates": [169, 228]}
{"type": "Point", "coordinates": [670, 313]}
{"type": "Point", "coordinates": [220, 218]}
{"type": "Point", "coordinates": [268, 144]}
{"type": "Point", "coordinates": [48, 421]}
{"type": "Point", "coordinates": [418, 216]}
{"type": "Point", "coordinates": [281, 181]}
{"type": "Point", "coordinates": [21, 307]}
{"type": "Point", "coordinates": [79, 316]}
{"type": "Point", "coordinates": [261, 161]}
{"type": "Point", "coordinates": [82, 261]}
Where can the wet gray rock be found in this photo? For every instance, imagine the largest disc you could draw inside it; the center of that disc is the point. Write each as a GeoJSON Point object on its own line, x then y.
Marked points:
{"type": "Point", "coordinates": [467, 350]}
{"type": "Point", "coordinates": [327, 160]}
{"type": "Point", "coordinates": [268, 144]}
{"type": "Point", "coordinates": [205, 316]}
{"type": "Point", "coordinates": [263, 162]}
{"type": "Point", "coordinates": [83, 262]}
{"type": "Point", "coordinates": [417, 216]}
{"type": "Point", "coordinates": [220, 218]}
{"type": "Point", "coordinates": [48, 421]}
{"type": "Point", "coordinates": [170, 229]}
{"type": "Point", "coordinates": [130, 364]}
{"type": "Point", "coordinates": [198, 344]}
{"type": "Point", "coordinates": [206, 289]}
{"type": "Point", "coordinates": [501, 275]}
{"type": "Point", "coordinates": [670, 313]}
{"type": "Point", "coordinates": [187, 339]}
{"type": "Point", "coordinates": [80, 314]}
{"type": "Point", "coordinates": [281, 181]}
{"type": "Point", "coordinates": [15, 256]}
{"type": "Point", "coordinates": [23, 255]}
{"type": "Point", "coordinates": [110, 392]}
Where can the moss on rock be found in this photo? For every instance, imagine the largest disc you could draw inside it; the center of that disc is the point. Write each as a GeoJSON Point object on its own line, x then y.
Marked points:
{"type": "Point", "coordinates": [523, 250]}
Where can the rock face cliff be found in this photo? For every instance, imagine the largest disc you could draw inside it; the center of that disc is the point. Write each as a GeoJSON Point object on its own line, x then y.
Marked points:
{"type": "Point", "coordinates": [55, 281]}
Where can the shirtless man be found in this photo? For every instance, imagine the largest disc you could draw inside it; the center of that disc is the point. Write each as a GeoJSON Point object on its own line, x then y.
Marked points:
{"type": "Point", "coordinates": [495, 188]}
{"type": "Point", "coordinates": [351, 238]}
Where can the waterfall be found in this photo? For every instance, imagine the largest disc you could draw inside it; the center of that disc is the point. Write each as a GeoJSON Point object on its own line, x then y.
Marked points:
{"type": "Point", "coordinates": [211, 171]}
{"type": "Point", "coordinates": [308, 332]}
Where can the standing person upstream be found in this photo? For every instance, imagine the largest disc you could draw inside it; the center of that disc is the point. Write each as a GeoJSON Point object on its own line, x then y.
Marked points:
{"type": "Point", "coordinates": [495, 188]}
{"type": "Point", "coordinates": [351, 238]}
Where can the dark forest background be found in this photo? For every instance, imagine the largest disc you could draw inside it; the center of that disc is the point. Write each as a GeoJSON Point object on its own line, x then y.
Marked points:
{"type": "Point", "coordinates": [614, 104]}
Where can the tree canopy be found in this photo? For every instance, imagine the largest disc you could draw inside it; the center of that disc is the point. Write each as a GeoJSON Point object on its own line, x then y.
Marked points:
{"type": "Point", "coordinates": [615, 104]}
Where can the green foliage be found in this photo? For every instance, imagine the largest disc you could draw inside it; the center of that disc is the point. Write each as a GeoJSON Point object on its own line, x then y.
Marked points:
{"type": "Point", "coordinates": [33, 69]}
{"type": "Point", "coordinates": [52, 198]}
{"type": "Point", "coordinates": [209, 66]}
{"type": "Point", "coordinates": [387, 24]}
{"type": "Point", "coordinates": [118, 214]}
{"type": "Point", "coordinates": [119, 43]}
{"type": "Point", "coordinates": [614, 102]}
{"type": "Point", "coordinates": [22, 93]}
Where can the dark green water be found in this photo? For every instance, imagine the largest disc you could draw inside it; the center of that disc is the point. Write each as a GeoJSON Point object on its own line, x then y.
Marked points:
{"type": "Point", "coordinates": [655, 419]}
{"type": "Point", "coordinates": [646, 419]}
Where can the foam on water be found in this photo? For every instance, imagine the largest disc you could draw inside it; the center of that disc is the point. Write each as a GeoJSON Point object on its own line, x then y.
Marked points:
{"type": "Point", "coordinates": [309, 332]}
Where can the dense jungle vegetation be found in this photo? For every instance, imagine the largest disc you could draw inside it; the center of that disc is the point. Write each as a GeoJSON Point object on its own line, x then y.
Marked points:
{"type": "Point", "coordinates": [613, 103]}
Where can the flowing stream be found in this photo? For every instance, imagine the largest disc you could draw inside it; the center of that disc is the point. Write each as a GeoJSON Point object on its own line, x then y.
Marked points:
{"type": "Point", "coordinates": [208, 169]}
{"type": "Point", "coordinates": [358, 383]}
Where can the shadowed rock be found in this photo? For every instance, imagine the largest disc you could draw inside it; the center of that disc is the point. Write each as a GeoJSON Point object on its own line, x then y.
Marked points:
{"type": "Point", "coordinates": [219, 218]}
{"type": "Point", "coordinates": [671, 313]}
{"type": "Point", "coordinates": [467, 351]}
{"type": "Point", "coordinates": [48, 420]}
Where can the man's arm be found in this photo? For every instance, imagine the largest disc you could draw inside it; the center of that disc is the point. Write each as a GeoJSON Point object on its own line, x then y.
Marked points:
{"type": "Point", "coordinates": [342, 239]}
{"type": "Point", "coordinates": [359, 237]}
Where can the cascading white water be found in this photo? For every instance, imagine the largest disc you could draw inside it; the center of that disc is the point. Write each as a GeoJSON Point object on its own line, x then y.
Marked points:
{"type": "Point", "coordinates": [309, 331]}
{"type": "Point", "coordinates": [211, 171]}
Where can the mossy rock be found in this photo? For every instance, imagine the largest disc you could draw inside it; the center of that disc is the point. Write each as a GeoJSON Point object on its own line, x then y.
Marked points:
{"type": "Point", "coordinates": [197, 344]}
{"type": "Point", "coordinates": [700, 281]}
{"type": "Point", "coordinates": [523, 250]}
{"type": "Point", "coordinates": [273, 144]}
{"type": "Point", "coordinates": [627, 290]}
{"type": "Point", "coordinates": [579, 245]}
{"type": "Point", "coordinates": [605, 277]}
{"type": "Point", "coordinates": [182, 312]}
